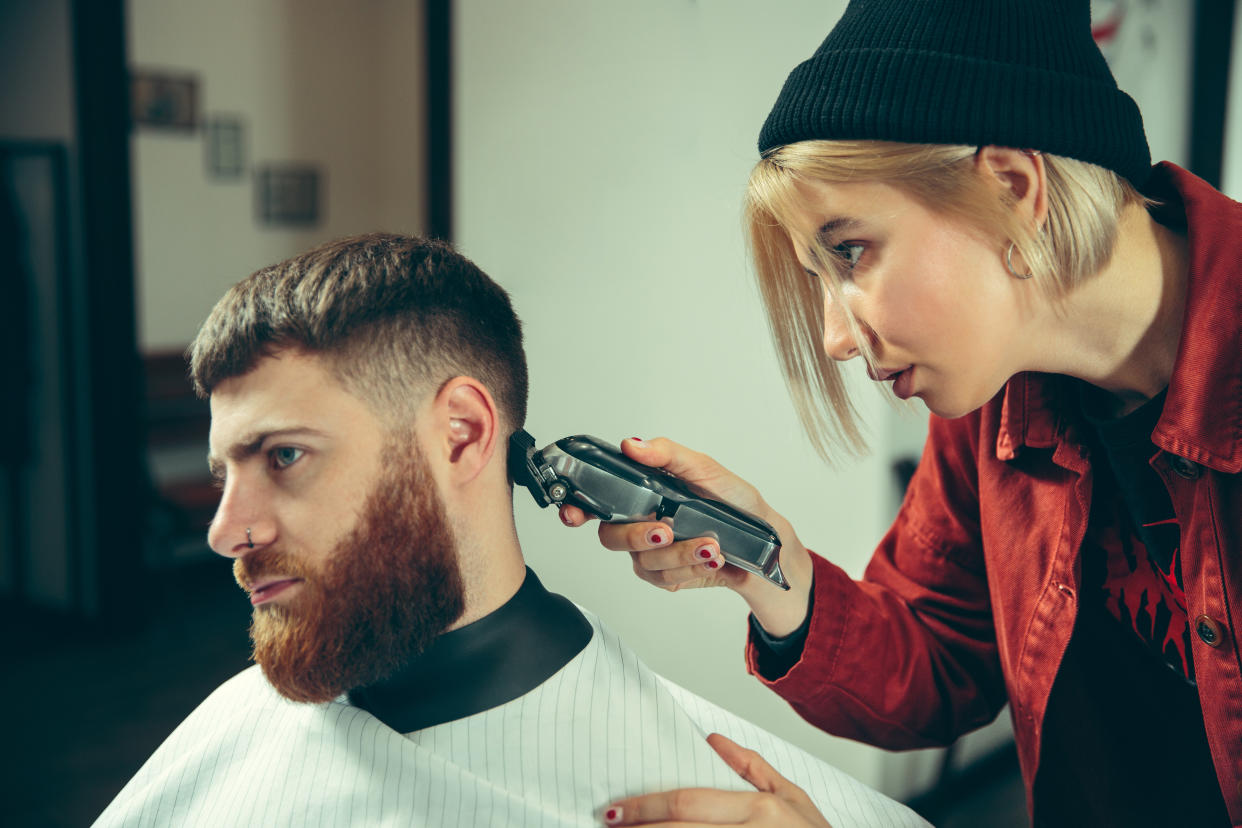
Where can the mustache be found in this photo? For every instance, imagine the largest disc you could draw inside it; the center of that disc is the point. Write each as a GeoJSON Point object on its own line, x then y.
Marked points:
{"type": "Point", "coordinates": [270, 561]}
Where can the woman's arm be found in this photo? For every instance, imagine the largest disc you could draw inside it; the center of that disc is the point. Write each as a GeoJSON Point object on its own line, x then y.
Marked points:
{"type": "Point", "coordinates": [906, 657]}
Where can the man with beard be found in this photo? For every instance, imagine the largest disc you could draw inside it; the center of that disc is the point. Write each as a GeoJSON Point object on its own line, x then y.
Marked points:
{"type": "Point", "coordinates": [410, 668]}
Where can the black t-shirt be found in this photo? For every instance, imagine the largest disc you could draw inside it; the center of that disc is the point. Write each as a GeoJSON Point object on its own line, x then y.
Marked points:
{"type": "Point", "coordinates": [1142, 582]}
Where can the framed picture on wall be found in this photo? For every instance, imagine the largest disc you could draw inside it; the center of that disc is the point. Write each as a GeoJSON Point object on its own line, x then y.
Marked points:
{"type": "Point", "coordinates": [164, 100]}
{"type": "Point", "coordinates": [225, 147]}
{"type": "Point", "coordinates": [288, 194]}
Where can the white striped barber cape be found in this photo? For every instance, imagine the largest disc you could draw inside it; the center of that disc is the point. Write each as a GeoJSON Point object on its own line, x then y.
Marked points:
{"type": "Point", "coordinates": [604, 727]}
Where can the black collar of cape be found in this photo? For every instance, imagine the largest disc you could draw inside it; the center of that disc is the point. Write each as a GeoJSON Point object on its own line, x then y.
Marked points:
{"type": "Point", "coordinates": [482, 665]}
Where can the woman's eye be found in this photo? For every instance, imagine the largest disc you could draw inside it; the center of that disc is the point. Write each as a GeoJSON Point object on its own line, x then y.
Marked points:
{"type": "Point", "coordinates": [849, 253]}
{"type": "Point", "coordinates": [286, 456]}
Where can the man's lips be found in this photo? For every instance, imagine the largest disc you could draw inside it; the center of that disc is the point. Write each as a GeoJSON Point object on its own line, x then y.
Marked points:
{"type": "Point", "coordinates": [267, 589]}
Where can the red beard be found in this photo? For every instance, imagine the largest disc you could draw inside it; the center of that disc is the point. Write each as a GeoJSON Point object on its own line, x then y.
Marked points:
{"type": "Point", "coordinates": [385, 592]}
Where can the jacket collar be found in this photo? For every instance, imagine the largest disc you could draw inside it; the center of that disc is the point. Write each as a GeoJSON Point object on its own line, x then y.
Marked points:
{"type": "Point", "coordinates": [1202, 418]}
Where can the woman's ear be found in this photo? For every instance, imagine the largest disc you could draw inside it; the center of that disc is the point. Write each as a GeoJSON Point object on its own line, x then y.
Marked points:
{"type": "Point", "coordinates": [466, 423]}
{"type": "Point", "coordinates": [1022, 174]}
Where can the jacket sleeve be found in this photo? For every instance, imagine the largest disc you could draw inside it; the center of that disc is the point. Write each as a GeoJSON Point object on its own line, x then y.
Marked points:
{"type": "Point", "coordinates": [907, 657]}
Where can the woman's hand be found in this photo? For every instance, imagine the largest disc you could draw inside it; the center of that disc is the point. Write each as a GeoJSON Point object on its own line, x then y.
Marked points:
{"type": "Point", "coordinates": [697, 562]}
{"type": "Point", "coordinates": [775, 802]}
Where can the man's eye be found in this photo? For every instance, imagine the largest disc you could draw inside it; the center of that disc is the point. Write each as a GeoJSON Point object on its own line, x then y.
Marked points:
{"type": "Point", "coordinates": [849, 253]}
{"type": "Point", "coordinates": [286, 456]}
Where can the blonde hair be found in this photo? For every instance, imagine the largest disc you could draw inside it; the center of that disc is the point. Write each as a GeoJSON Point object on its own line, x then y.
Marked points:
{"type": "Point", "coordinates": [1085, 202]}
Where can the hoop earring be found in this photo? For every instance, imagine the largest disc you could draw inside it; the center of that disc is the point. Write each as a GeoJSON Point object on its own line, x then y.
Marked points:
{"type": "Point", "coordinates": [1009, 264]}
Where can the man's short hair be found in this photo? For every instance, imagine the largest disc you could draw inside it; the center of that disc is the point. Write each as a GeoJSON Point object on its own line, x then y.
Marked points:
{"type": "Point", "coordinates": [395, 317]}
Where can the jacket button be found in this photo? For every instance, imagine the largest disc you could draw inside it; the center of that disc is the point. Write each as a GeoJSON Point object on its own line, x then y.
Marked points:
{"type": "Point", "coordinates": [1183, 467]}
{"type": "Point", "coordinates": [1210, 632]}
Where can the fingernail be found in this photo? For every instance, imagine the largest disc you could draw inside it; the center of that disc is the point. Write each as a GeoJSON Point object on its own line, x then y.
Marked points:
{"type": "Point", "coordinates": [640, 441]}
{"type": "Point", "coordinates": [712, 564]}
{"type": "Point", "coordinates": [704, 552]}
{"type": "Point", "coordinates": [612, 816]}
{"type": "Point", "coordinates": [655, 537]}
{"type": "Point", "coordinates": [565, 520]}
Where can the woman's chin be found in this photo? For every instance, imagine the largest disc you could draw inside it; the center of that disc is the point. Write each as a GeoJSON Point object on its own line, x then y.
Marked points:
{"type": "Point", "coordinates": [948, 409]}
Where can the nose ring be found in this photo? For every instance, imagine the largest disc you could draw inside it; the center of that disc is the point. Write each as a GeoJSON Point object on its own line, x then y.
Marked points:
{"type": "Point", "coordinates": [249, 540]}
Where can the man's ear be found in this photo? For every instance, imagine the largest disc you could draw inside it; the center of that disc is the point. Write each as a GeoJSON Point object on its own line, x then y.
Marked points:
{"type": "Point", "coordinates": [1022, 174]}
{"type": "Point", "coordinates": [466, 427]}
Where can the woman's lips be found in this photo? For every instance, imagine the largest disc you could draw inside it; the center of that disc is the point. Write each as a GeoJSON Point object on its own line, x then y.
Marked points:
{"type": "Point", "coordinates": [272, 589]}
{"type": "Point", "coordinates": [903, 383]}
{"type": "Point", "coordinates": [902, 379]}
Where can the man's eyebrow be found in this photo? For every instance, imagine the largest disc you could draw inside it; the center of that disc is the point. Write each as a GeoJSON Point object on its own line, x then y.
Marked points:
{"type": "Point", "coordinates": [251, 444]}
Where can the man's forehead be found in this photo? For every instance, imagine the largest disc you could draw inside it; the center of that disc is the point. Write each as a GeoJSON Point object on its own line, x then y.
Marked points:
{"type": "Point", "coordinates": [281, 393]}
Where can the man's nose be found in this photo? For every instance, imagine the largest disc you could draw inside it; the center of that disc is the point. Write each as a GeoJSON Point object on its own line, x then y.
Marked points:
{"type": "Point", "coordinates": [239, 525]}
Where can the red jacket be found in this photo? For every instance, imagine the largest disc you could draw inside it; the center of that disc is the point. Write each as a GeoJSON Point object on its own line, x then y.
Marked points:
{"type": "Point", "coordinates": [970, 599]}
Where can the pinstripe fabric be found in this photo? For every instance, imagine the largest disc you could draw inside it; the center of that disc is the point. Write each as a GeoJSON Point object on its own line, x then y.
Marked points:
{"type": "Point", "coordinates": [603, 727]}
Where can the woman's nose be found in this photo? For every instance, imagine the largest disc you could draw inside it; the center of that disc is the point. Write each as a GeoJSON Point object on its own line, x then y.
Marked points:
{"type": "Point", "coordinates": [839, 340]}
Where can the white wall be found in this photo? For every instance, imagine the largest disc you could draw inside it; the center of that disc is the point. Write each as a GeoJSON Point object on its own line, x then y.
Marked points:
{"type": "Point", "coordinates": [336, 84]}
{"type": "Point", "coordinates": [601, 155]}
{"type": "Point", "coordinates": [1150, 58]}
{"type": "Point", "coordinates": [1231, 175]}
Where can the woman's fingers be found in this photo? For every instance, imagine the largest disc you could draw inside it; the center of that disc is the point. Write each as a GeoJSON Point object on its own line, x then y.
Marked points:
{"type": "Point", "coordinates": [749, 765]}
{"type": "Point", "coordinates": [695, 467]}
{"type": "Point", "coordinates": [709, 806]}
{"type": "Point", "coordinates": [756, 770]}
{"type": "Point", "coordinates": [689, 577]}
{"type": "Point", "coordinates": [635, 537]}
{"type": "Point", "coordinates": [694, 805]}
{"type": "Point", "coordinates": [573, 516]}
{"type": "Point", "coordinates": [658, 559]}
{"type": "Point", "coordinates": [775, 802]}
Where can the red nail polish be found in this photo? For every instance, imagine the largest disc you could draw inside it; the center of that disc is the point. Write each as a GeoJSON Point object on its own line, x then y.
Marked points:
{"type": "Point", "coordinates": [713, 564]}
{"type": "Point", "coordinates": [657, 539]}
{"type": "Point", "coordinates": [705, 552]}
{"type": "Point", "coordinates": [612, 815]}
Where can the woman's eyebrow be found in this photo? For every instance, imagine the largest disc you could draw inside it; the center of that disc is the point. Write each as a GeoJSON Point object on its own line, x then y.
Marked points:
{"type": "Point", "coordinates": [829, 230]}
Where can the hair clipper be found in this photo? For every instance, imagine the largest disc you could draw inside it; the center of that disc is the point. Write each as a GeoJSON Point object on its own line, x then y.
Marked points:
{"type": "Point", "coordinates": [597, 478]}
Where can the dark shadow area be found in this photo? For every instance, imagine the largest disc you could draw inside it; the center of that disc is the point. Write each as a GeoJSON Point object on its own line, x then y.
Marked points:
{"type": "Point", "coordinates": [988, 792]}
{"type": "Point", "coordinates": [92, 705]}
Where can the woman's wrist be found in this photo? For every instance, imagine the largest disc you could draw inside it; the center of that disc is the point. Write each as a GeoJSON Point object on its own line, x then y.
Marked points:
{"type": "Point", "coordinates": [779, 611]}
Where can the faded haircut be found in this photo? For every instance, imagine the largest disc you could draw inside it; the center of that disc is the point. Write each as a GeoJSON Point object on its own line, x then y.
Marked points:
{"type": "Point", "coordinates": [394, 316]}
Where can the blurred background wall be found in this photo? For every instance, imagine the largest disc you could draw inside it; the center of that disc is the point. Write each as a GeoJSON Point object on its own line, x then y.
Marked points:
{"type": "Point", "coordinates": [601, 154]}
{"type": "Point", "coordinates": [334, 86]}
{"type": "Point", "coordinates": [591, 156]}
{"type": "Point", "coordinates": [330, 91]}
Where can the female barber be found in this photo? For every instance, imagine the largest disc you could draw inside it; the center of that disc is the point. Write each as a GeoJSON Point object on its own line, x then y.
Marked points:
{"type": "Point", "coordinates": [958, 193]}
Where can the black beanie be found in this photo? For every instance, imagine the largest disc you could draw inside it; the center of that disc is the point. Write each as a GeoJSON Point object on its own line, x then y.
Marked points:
{"type": "Point", "coordinates": [1013, 73]}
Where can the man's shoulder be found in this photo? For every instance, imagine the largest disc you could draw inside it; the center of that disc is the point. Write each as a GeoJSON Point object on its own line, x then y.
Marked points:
{"type": "Point", "coordinates": [244, 737]}
{"type": "Point", "coordinates": [669, 724]}
{"type": "Point", "coordinates": [244, 691]}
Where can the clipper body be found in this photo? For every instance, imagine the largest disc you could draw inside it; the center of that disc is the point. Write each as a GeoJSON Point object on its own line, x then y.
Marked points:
{"type": "Point", "coordinates": [596, 477]}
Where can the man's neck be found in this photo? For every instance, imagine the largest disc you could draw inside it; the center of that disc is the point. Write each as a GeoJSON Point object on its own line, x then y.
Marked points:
{"type": "Point", "coordinates": [492, 570]}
